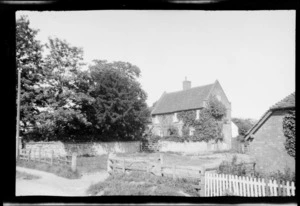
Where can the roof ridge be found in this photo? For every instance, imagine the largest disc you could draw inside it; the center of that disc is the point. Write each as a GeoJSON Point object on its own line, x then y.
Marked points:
{"type": "Point", "coordinates": [190, 89]}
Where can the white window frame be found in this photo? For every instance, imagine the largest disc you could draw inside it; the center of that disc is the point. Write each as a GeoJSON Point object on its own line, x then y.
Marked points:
{"type": "Point", "coordinates": [175, 119]}
{"type": "Point", "coordinates": [197, 113]}
{"type": "Point", "coordinates": [155, 119]}
{"type": "Point", "coordinates": [191, 131]}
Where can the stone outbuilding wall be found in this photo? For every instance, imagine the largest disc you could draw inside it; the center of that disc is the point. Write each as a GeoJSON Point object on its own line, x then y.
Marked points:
{"type": "Point", "coordinates": [268, 147]}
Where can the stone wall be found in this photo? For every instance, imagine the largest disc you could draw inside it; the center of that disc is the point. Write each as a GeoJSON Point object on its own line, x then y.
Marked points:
{"type": "Point", "coordinates": [268, 146]}
{"type": "Point", "coordinates": [95, 148]}
{"type": "Point", "coordinates": [192, 147]}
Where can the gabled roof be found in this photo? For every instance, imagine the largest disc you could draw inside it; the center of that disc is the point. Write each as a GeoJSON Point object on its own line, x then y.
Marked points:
{"type": "Point", "coordinates": [183, 100]}
{"type": "Point", "coordinates": [286, 103]}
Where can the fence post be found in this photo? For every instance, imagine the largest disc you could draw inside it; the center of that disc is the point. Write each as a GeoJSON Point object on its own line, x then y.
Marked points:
{"type": "Point", "coordinates": [108, 164]}
{"type": "Point", "coordinates": [202, 182]}
{"type": "Point", "coordinates": [29, 153]}
{"type": "Point", "coordinates": [40, 154]}
{"type": "Point", "coordinates": [74, 161]}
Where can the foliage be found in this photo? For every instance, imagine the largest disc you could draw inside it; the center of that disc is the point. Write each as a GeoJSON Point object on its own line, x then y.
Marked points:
{"type": "Point", "coordinates": [29, 61]}
{"type": "Point", "coordinates": [208, 128]}
{"type": "Point", "coordinates": [209, 125]}
{"type": "Point", "coordinates": [188, 118]}
{"type": "Point", "coordinates": [119, 110]}
{"type": "Point", "coordinates": [172, 131]}
{"type": "Point", "coordinates": [289, 130]}
{"type": "Point", "coordinates": [134, 184]}
{"type": "Point", "coordinates": [216, 108]}
{"type": "Point", "coordinates": [61, 101]}
{"type": "Point", "coordinates": [286, 175]}
{"type": "Point", "coordinates": [61, 118]}
{"type": "Point", "coordinates": [232, 168]}
{"type": "Point", "coordinates": [173, 138]}
{"type": "Point", "coordinates": [244, 125]}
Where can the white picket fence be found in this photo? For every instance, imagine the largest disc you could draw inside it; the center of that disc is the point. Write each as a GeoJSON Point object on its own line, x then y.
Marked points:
{"type": "Point", "coordinates": [223, 185]}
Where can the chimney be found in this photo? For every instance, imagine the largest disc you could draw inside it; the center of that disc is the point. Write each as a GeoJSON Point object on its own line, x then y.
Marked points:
{"type": "Point", "coordinates": [186, 84]}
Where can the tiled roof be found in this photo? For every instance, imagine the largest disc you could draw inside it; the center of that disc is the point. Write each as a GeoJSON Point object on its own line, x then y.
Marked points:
{"type": "Point", "coordinates": [182, 100]}
{"type": "Point", "coordinates": [287, 102]}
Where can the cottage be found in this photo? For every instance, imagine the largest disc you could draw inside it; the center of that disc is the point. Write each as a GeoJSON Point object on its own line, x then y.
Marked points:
{"type": "Point", "coordinates": [265, 140]}
{"type": "Point", "coordinates": [164, 113]}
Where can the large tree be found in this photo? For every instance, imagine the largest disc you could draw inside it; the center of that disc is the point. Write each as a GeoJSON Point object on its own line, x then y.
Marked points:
{"type": "Point", "coordinates": [120, 111]}
{"type": "Point", "coordinates": [65, 88]}
{"type": "Point", "coordinates": [29, 61]}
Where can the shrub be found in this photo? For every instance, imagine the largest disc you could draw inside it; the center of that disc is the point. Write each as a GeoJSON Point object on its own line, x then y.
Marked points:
{"type": "Point", "coordinates": [174, 138]}
{"type": "Point", "coordinates": [286, 175]}
{"type": "Point", "coordinates": [232, 167]}
{"type": "Point", "coordinates": [216, 108]}
{"type": "Point", "coordinates": [289, 130]}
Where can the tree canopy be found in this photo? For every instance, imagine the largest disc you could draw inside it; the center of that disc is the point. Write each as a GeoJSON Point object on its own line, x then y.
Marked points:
{"type": "Point", "coordinates": [63, 101]}
{"type": "Point", "coordinates": [29, 61]}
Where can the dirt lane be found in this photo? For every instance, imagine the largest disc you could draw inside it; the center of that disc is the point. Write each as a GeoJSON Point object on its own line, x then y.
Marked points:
{"type": "Point", "coordinates": [51, 185]}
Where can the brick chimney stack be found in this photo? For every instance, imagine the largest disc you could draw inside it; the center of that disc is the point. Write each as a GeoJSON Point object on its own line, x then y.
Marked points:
{"type": "Point", "coordinates": [186, 84]}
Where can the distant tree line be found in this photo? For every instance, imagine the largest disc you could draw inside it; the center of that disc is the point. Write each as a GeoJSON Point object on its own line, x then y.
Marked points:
{"type": "Point", "coordinates": [244, 125]}
{"type": "Point", "coordinates": [64, 99]}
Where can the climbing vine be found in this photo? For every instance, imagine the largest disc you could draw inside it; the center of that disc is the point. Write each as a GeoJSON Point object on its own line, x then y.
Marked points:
{"type": "Point", "coordinates": [210, 123]}
{"type": "Point", "coordinates": [289, 130]}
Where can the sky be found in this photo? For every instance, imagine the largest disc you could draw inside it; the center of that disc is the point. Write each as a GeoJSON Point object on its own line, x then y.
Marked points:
{"type": "Point", "coordinates": [251, 53]}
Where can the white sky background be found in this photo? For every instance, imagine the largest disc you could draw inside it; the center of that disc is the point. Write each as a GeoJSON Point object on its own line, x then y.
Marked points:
{"type": "Point", "coordinates": [251, 53]}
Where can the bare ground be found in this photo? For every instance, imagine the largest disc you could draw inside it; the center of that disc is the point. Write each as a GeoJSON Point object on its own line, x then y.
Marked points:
{"type": "Point", "coordinates": [51, 185]}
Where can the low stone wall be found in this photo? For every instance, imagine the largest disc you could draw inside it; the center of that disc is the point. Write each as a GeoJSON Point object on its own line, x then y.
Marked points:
{"type": "Point", "coordinates": [192, 147]}
{"type": "Point", "coordinates": [47, 147]}
{"type": "Point", "coordinates": [94, 148]}
{"type": "Point", "coordinates": [99, 148]}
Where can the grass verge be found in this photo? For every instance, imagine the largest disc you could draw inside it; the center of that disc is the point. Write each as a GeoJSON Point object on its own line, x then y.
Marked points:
{"type": "Point", "coordinates": [139, 183]}
{"type": "Point", "coordinates": [91, 164]}
{"type": "Point", "coordinates": [26, 176]}
{"type": "Point", "coordinates": [61, 171]}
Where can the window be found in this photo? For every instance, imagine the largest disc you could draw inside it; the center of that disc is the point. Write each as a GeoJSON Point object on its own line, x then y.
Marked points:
{"type": "Point", "coordinates": [161, 133]}
{"type": "Point", "coordinates": [197, 114]}
{"type": "Point", "coordinates": [175, 119]}
{"type": "Point", "coordinates": [155, 119]}
{"type": "Point", "coordinates": [191, 131]}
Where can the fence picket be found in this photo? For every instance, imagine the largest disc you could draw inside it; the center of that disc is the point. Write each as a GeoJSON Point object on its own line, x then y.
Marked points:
{"type": "Point", "coordinates": [230, 184]}
{"type": "Point", "coordinates": [244, 186]}
{"type": "Point", "coordinates": [293, 188]}
{"type": "Point", "coordinates": [218, 185]}
{"type": "Point", "coordinates": [224, 183]}
{"type": "Point", "coordinates": [259, 187]}
{"type": "Point", "coordinates": [255, 187]}
{"type": "Point", "coordinates": [288, 189]}
{"type": "Point", "coordinates": [270, 186]}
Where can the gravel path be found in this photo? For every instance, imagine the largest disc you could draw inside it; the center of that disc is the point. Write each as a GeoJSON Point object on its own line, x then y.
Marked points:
{"type": "Point", "coordinates": [52, 185]}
